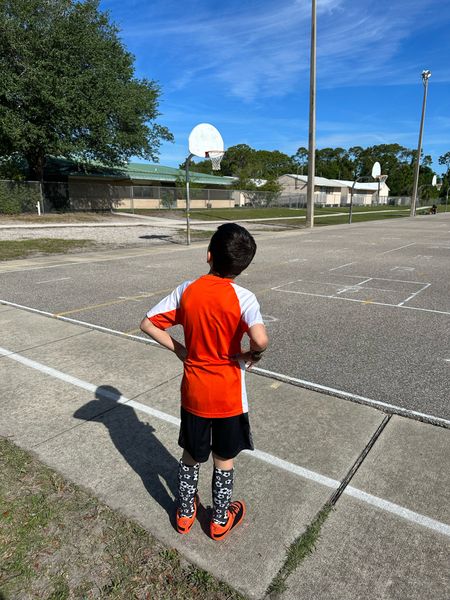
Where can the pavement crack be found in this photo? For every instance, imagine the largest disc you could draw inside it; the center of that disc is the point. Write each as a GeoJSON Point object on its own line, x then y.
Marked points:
{"type": "Point", "coordinates": [43, 345]}
{"type": "Point", "coordinates": [102, 412]}
{"type": "Point", "coordinates": [358, 462]}
{"type": "Point", "coordinates": [305, 544]}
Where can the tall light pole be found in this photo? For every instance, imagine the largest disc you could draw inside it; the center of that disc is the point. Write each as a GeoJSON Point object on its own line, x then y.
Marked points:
{"type": "Point", "coordinates": [425, 77]}
{"type": "Point", "coordinates": [312, 123]}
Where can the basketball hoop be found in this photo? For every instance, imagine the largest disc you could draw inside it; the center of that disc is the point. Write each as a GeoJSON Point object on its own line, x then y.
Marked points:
{"type": "Point", "coordinates": [215, 156]}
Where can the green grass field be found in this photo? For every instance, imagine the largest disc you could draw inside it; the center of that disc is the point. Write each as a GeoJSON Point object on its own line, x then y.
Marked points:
{"type": "Point", "coordinates": [10, 249]}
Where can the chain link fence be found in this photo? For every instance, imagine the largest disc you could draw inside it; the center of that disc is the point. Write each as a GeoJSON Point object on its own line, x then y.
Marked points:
{"type": "Point", "coordinates": [50, 196]}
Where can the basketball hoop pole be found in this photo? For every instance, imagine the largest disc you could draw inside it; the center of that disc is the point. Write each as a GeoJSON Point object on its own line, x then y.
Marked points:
{"type": "Point", "coordinates": [188, 201]}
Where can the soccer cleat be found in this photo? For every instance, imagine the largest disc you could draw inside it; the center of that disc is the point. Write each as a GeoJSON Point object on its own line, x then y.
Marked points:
{"type": "Point", "coordinates": [184, 524]}
{"type": "Point", "coordinates": [236, 512]}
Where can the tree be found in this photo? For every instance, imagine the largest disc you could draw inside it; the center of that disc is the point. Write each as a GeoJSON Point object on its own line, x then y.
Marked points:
{"type": "Point", "coordinates": [68, 87]}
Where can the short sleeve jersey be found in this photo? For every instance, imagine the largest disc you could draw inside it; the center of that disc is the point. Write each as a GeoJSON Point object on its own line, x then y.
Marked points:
{"type": "Point", "coordinates": [215, 313]}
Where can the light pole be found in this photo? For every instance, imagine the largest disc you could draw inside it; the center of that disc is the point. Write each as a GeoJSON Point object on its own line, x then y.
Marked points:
{"type": "Point", "coordinates": [312, 123]}
{"type": "Point", "coordinates": [425, 77]}
{"type": "Point", "coordinates": [188, 199]}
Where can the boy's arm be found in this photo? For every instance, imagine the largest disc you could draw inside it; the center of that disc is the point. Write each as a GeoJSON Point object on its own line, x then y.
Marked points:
{"type": "Point", "coordinates": [258, 343]}
{"type": "Point", "coordinates": [163, 338]}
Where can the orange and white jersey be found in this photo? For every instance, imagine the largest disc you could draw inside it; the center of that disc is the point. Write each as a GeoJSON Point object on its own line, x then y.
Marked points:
{"type": "Point", "coordinates": [215, 313]}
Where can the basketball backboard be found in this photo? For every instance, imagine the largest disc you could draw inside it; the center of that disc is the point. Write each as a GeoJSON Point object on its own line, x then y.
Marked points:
{"type": "Point", "coordinates": [205, 138]}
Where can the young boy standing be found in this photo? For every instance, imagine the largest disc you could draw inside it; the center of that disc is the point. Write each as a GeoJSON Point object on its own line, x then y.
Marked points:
{"type": "Point", "coordinates": [215, 314]}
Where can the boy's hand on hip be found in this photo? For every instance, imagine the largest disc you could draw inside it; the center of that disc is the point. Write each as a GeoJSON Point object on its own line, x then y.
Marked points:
{"type": "Point", "coordinates": [181, 352]}
{"type": "Point", "coordinates": [248, 357]}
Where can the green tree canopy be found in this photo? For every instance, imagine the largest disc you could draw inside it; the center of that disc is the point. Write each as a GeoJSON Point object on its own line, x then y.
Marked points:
{"type": "Point", "coordinates": [68, 87]}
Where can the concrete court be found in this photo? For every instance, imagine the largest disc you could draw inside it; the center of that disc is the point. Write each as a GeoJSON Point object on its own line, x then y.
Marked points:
{"type": "Point", "coordinates": [110, 425]}
{"type": "Point", "coordinates": [362, 308]}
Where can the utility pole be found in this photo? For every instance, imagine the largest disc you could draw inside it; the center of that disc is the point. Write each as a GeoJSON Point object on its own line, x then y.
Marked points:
{"type": "Point", "coordinates": [425, 77]}
{"type": "Point", "coordinates": [312, 123]}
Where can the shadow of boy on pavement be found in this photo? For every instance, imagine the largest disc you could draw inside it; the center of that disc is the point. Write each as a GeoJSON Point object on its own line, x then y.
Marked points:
{"type": "Point", "coordinates": [137, 443]}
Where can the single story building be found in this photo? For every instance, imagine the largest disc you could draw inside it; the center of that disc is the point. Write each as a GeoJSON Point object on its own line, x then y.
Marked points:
{"type": "Point", "coordinates": [330, 192]}
{"type": "Point", "coordinates": [136, 185]}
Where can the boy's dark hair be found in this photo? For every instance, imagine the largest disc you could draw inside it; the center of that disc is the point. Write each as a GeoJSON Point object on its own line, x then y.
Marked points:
{"type": "Point", "coordinates": [232, 249]}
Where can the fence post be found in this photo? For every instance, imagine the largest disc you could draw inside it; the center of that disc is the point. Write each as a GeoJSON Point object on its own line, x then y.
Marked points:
{"type": "Point", "coordinates": [42, 197]}
{"type": "Point", "coordinates": [132, 199]}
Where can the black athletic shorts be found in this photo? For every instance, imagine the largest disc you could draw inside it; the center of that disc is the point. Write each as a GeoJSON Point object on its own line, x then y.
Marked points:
{"type": "Point", "coordinates": [225, 437]}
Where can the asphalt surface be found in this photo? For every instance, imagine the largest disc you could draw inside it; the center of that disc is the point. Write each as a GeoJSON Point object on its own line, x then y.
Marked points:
{"type": "Point", "coordinates": [362, 308]}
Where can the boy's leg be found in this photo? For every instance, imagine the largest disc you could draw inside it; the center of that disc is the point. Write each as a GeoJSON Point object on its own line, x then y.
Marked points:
{"type": "Point", "coordinates": [222, 488]}
{"type": "Point", "coordinates": [230, 435]}
{"type": "Point", "coordinates": [188, 472]}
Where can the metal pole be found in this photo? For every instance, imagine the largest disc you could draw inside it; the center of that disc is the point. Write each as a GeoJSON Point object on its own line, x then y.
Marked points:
{"type": "Point", "coordinates": [188, 202]}
{"type": "Point", "coordinates": [446, 199]}
{"type": "Point", "coordinates": [351, 203]}
{"type": "Point", "coordinates": [425, 77]}
{"type": "Point", "coordinates": [312, 123]}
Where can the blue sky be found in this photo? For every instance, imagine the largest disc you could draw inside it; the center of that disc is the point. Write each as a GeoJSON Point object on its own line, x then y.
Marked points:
{"type": "Point", "coordinates": [243, 65]}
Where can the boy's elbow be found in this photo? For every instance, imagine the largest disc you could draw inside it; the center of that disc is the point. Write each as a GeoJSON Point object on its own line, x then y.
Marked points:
{"type": "Point", "coordinates": [259, 337]}
{"type": "Point", "coordinates": [144, 324]}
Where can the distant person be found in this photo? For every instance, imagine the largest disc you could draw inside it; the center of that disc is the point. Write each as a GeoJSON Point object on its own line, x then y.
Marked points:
{"type": "Point", "coordinates": [433, 209]}
{"type": "Point", "coordinates": [215, 313]}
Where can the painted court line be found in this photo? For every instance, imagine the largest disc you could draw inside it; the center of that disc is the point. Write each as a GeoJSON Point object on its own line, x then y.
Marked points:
{"type": "Point", "coordinates": [415, 294]}
{"type": "Point", "coordinates": [260, 455]}
{"type": "Point", "coordinates": [395, 249]}
{"type": "Point", "coordinates": [77, 322]}
{"type": "Point", "coordinates": [278, 376]}
{"type": "Point", "coordinates": [430, 310]}
{"type": "Point", "coordinates": [53, 280]}
{"type": "Point", "coordinates": [392, 408]}
{"type": "Point", "coordinates": [342, 266]}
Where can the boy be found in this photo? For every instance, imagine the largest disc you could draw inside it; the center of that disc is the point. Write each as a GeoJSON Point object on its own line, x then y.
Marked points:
{"type": "Point", "coordinates": [215, 313]}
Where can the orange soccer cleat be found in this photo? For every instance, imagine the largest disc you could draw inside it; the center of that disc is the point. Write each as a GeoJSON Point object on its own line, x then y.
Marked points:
{"type": "Point", "coordinates": [236, 512]}
{"type": "Point", "coordinates": [184, 524]}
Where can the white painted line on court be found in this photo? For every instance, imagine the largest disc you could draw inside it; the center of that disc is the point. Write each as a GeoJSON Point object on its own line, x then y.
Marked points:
{"type": "Point", "coordinates": [385, 505]}
{"type": "Point", "coordinates": [362, 399]}
{"type": "Point", "coordinates": [77, 322]}
{"type": "Point", "coordinates": [279, 376]}
{"type": "Point", "coordinates": [53, 280]}
{"type": "Point", "coordinates": [430, 310]}
{"type": "Point", "coordinates": [342, 266]}
{"type": "Point", "coordinates": [395, 249]}
{"type": "Point", "coordinates": [427, 285]}
{"type": "Point", "coordinates": [407, 269]}
{"type": "Point", "coordinates": [398, 510]}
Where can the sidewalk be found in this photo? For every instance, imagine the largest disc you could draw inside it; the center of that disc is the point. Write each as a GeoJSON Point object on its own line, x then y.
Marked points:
{"type": "Point", "coordinates": [103, 411]}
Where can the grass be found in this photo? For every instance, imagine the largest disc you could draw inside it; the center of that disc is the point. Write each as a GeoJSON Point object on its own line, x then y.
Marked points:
{"type": "Point", "coordinates": [298, 551]}
{"type": "Point", "coordinates": [77, 217]}
{"type": "Point", "coordinates": [357, 218]}
{"type": "Point", "coordinates": [59, 542]}
{"type": "Point", "coordinates": [11, 249]}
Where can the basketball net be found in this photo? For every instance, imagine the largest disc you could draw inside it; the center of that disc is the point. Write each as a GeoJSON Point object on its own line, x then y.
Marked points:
{"type": "Point", "coordinates": [215, 156]}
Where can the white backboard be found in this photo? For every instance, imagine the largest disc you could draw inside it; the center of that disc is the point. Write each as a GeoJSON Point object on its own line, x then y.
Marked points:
{"type": "Point", "coordinates": [376, 170]}
{"type": "Point", "coordinates": [434, 180]}
{"type": "Point", "coordinates": [204, 138]}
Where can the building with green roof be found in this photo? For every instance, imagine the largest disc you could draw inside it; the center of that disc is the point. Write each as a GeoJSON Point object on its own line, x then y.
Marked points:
{"type": "Point", "coordinates": [138, 185]}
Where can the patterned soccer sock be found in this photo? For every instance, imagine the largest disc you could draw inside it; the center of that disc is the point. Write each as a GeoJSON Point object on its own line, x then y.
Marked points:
{"type": "Point", "coordinates": [187, 488]}
{"type": "Point", "coordinates": [222, 490]}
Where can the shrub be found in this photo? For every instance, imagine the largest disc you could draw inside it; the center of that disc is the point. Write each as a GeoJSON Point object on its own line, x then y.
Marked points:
{"type": "Point", "coordinates": [17, 197]}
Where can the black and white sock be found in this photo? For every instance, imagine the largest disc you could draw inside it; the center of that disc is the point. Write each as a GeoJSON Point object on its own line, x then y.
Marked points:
{"type": "Point", "coordinates": [187, 488]}
{"type": "Point", "coordinates": [222, 490]}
